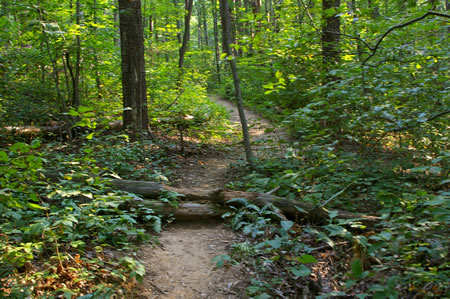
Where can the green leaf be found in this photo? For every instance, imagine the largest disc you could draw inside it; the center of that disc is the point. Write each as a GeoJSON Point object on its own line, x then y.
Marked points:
{"type": "Point", "coordinates": [89, 137]}
{"type": "Point", "coordinates": [307, 259]}
{"type": "Point", "coordinates": [3, 157]}
{"type": "Point", "coordinates": [220, 260]}
{"type": "Point", "coordinates": [420, 169]}
{"type": "Point", "coordinates": [83, 109]}
{"type": "Point", "coordinates": [73, 113]}
{"type": "Point", "coordinates": [300, 271]}
{"type": "Point", "coordinates": [357, 269]}
{"type": "Point", "coordinates": [286, 225]}
{"type": "Point", "coordinates": [35, 143]}
{"type": "Point", "coordinates": [436, 202]}
{"type": "Point", "coordinates": [35, 206]}
{"type": "Point", "coordinates": [435, 170]}
{"type": "Point", "coordinates": [19, 147]}
{"type": "Point", "coordinates": [275, 243]}
{"type": "Point", "coordinates": [263, 296]}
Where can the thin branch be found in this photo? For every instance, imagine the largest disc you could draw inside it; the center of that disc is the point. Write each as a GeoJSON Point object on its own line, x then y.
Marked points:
{"type": "Point", "coordinates": [377, 45]}
{"type": "Point", "coordinates": [337, 194]}
{"type": "Point", "coordinates": [352, 37]}
{"type": "Point", "coordinates": [174, 101]}
{"type": "Point", "coordinates": [417, 123]}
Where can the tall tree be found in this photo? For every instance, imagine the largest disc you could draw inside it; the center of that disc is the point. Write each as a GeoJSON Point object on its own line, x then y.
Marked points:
{"type": "Point", "coordinates": [216, 38]}
{"type": "Point", "coordinates": [76, 77]}
{"type": "Point", "coordinates": [226, 36]}
{"type": "Point", "coordinates": [186, 36]}
{"type": "Point", "coordinates": [330, 35]}
{"type": "Point", "coordinates": [133, 66]}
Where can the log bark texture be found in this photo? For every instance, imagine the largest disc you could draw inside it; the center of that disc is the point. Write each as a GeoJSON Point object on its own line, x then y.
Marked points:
{"type": "Point", "coordinates": [201, 203]}
{"type": "Point", "coordinates": [290, 208]}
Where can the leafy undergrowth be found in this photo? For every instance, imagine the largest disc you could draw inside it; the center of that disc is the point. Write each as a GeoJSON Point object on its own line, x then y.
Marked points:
{"type": "Point", "coordinates": [64, 231]}
{"type": "Point", "coordinates": [62, 237]}
{"type": "Point", "coordinates": [405, 255]}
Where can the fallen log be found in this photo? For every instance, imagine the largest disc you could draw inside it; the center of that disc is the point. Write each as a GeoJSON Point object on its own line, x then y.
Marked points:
{"type": "Point", "coordinates": [57, 129]}
{"type": "Point", "coordinates": [290, 208]}
{"type": "Point", "coordinates": [187, 210]}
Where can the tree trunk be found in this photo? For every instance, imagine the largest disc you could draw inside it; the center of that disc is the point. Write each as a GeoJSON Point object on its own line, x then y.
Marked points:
{"type": "Point", "coordinates": [98, 81]}
{"type": "Point", "coordinates": [133, 66]}
{"type": "Point", "coordinates": [330, 36]}
{"type": "Point", "coordinates": [175, 3]}
{"type": "Point", "coordinates": [226, 37]}
{"type": "Point", "coordinates": [52, 59]}
{"type": "Point", "coordinates": [216, 38]}
{"type": "Point", "coordinates": [205, 23]}
{"type": "Point", "coordinates": [76, 77]}
{"type": "Point", "coordinates": [116, 21]}
{"type": "Point", "coordinates": [199, 27]}
{"type": "Point", "coordinates": [186, 36]}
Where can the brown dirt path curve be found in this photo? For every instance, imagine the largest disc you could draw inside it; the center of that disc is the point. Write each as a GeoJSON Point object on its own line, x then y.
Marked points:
{"type": "Point", "coordinates": [183, 266]}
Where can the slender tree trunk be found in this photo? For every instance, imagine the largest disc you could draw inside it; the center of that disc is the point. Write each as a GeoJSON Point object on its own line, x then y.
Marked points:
{"type": "Point", "coordinates": [76, 78]}
{"type": "Point", "coordinates": [98, 81]}
{"type": "Point", "coordinates": [186, 36]}
{"type": "Point", "coordinates": [199, 26]}
{"type": "Point", "coordinates": [226, 36]}
{"type": "Point", "coordinates": [205, 23]}
{"type": "Point", "coordinates": [52, 59]}
{"type": "Point", "coordinates": [175, 2]}
{"type": "Point", "coordinates": [133, 66]}
{"type": "Point", "coordinates": [116, 21]}
{"type": "Point", "coordinates": [330, 36]}
{"type": "Point", "coordinates": [216, 38]}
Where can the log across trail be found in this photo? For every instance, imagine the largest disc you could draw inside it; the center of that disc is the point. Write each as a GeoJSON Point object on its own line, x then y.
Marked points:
{"type": "Point", "coordinates": [193, 204]}
{"type": "Point", "coordinates": [182, 266]}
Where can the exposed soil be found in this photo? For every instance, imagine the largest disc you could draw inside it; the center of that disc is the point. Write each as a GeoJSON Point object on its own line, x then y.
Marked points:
{"type": "Point", "coordinates": [183, 266]}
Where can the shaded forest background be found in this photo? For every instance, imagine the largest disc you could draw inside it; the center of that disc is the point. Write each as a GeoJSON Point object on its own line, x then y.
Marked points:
{"type": "Point", "coordinates": [360, 86]}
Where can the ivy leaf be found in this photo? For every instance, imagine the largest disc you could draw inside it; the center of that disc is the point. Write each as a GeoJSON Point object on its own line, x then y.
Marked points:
{"type": "Point", "coordinates": [275, 243]}
{"type": "Point", "coordinates": [300, 271]}
{"type": "Point", "coordinates": [286, 225]}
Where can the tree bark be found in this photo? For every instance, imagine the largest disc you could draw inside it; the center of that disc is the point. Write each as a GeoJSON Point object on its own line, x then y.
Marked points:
{"type": "Point", "coordinates": [76, 78]}
{"type": "Point", "coordinates": [216, 39]}
{"type": "Point", "coordinates": [186, 36]}
{"type": "Point", "coordinates": [330, 36]}
{"type": "Point", "coordinates": [226, 36]}
{"type": "Point", "coordinates": [175, 3]}
{"type": "Point", "coordinates": [133, 66]}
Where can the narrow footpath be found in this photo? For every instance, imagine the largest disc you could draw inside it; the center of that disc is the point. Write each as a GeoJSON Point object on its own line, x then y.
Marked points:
{"type": "Point", "coordinates": [182, 267]}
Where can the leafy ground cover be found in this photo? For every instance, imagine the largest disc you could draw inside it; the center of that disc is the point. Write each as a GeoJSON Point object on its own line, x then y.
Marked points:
{"type": "Point", "coordinates": [404, 255]}
{"type": "Point", "coordinates": [65, 231]}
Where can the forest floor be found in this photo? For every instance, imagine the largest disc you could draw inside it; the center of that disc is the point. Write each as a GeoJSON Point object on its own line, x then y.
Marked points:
{"type": "Point", "coordinates": [182, 266]}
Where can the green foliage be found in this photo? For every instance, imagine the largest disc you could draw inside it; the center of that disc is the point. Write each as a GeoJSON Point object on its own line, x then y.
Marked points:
{"type": "Point", "coordinates": [76, 216]}
{"type": "Point", "coordinates": [274, 244]}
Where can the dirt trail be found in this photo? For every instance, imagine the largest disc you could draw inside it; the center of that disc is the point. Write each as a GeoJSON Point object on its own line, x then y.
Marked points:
{"type": "Point", "coordinates": [182, 268]}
